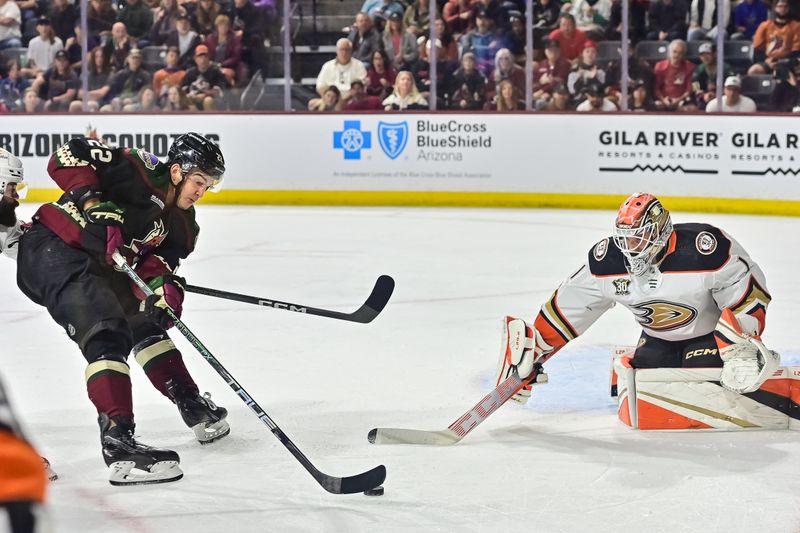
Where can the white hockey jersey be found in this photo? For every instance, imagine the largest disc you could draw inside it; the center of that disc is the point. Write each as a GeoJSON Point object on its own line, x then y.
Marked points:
{"type": "Point", "coordinates": [702, 272]}
{"type": "Point", "coordinates": [9, 237]}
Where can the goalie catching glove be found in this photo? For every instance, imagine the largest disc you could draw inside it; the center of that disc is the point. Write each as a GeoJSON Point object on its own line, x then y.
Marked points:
{"type": "Point", "coordinates": [167, 295]}
{"type": "Point", "coordinates": [747, 363]}
{"type": "Point", "coordinates": [523, 350]}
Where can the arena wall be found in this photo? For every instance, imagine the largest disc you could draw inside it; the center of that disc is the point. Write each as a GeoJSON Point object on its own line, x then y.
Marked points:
{"type": "Point", "coordinates": [734, 164]}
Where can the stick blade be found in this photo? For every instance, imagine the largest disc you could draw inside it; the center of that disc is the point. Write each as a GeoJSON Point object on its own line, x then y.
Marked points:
{"type": "Point", "coordinates": [377, 300]}
{"type": "Point", "coordinates": [445, 437]}
{"type": "Point", "coordinates": [358, 483]}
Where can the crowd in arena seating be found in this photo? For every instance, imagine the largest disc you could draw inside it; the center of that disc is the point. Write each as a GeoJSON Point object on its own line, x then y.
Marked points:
{"type": "Point", "coordinates": [481, 54]}
{"type": "Point", "coordinates": [151, 55]}
{"type": "Point", "coordinates": [144, 55]}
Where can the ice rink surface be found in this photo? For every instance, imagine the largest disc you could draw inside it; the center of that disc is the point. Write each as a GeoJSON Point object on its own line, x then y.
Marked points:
{"type": "Point", "coordinates": [563, 463]}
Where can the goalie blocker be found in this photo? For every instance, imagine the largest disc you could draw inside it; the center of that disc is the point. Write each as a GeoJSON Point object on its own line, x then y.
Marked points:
{"type": "Point", "coordinates": [693, 398]}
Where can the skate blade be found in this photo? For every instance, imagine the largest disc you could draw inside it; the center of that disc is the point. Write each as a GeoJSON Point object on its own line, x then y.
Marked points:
{"type": "Point", "coordinates": [207, 434]}
{"type": "Point", "coordinates": [126, 473]}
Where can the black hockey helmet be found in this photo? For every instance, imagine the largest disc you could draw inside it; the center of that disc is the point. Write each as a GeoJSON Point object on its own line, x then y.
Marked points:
{"type": "Point", "coordinates": [192, 150]}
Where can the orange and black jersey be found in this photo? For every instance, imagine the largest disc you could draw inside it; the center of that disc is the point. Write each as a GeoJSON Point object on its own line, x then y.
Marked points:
{"type": "Point", "coordinates": [156, 235]}
{"type": "Point", "coordinates": [702, 271]}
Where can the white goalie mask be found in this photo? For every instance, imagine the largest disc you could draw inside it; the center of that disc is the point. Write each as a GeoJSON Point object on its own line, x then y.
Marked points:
{"type": "Point", "coordinates": [641, 231]}
{"type": "Point", "coordinates": [11, 172]}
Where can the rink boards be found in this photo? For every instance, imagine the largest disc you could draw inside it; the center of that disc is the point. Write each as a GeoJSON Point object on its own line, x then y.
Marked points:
{"type": "Point", "coordinates": [737, 164]}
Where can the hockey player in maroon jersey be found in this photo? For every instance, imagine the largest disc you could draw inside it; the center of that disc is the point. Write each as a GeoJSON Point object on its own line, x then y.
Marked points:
{"type": "Point", "coordinates": [700, 299]}
{"type": "Point", "coordinates": [126, 199]}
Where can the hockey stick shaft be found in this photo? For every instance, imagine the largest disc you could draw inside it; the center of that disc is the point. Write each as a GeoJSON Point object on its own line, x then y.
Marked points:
{"type": "Point", "coordinates": [335, 485]}
{"type": "Point", "coordinates": [458, 429]}
{"type": "Point", "coordinates": [371, 308]}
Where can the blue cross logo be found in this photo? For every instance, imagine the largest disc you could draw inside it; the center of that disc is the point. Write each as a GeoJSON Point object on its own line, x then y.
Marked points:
{"type": "Point", "coordinates": [352, 140]}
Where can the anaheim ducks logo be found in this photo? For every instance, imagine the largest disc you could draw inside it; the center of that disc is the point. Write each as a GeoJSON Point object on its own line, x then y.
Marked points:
{"type": "Point", "coordinates": [663, 316]}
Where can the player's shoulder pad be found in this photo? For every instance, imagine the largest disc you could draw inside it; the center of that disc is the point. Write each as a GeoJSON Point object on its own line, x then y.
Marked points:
{"type": "Point", "coordinates": [157, 171]}
{"type": "Point", "coordinates": [605, 259]}
{"type": "Point", "coordinates": [698, 248]}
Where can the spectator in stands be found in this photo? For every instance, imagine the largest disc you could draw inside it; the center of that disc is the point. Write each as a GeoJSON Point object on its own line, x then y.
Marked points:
{"type": "Point", "coordinates": [417, 18]}
{"type": "Point", "coordinates": [342, 70]}
{"type": "Point", "coordinates": [251, 21]}
{"type": "Point", "coordinates": [185, 39]}
{"type": "Point", "coordinates": [514, 37]}
{"type": "Point", "coordinates": [101, 17]}
{"type": "Point", "coordinates": [171, 74]}
{"type": "Point", "coordinates": [176, 100]}
{"type": "Point", "coordinates": [12, 87]}
{"type": "Point", "coordinates": [493, 9]}
{"type": "Point", "coordinates": [58, 85]}
{"type": "Point", "coordinates": [204, 83]}
{"type": "Point", "coordinates": [640, 99]}
{"type": "Point", "coordinates": [225, 47]}
{"type": "Point", "coordinates": [638, 69]}
{"type": "Point", "coordinates": [400, 45]}
{"type": "Point", "coordinates": [775, 39]}
{"type": "Point", "coordinates": [63, 17]}
{"type": "Point", "coordinates": [448, 51]}
{"type": "Point", "coordinates": [42, 48]}
{"type": "Point", "coordinates": [545, 20]}
{"type": "Point", "coordinates": [482, 42]}
{"type": "Point", "coordinates": [746, 18]}
{"type": "Point", "coordinates": [459, 17]}
{"type": "Point", "coordinates": [204, 16]}
{"type": "Point", "coordinates": [703, 19]}
{"type": "Point", "coordinates": [329, 101]}
{"type": "Point", "coordinates": [364, 38]}
{"type": "Point", "coordinates": [99, 79]}
{"type": "Point", "coordinates": [124, 86]}
{"type": "Point", "coordinates": [549, 73]}
{"type": "Point", "coordinates": [165, 17]}
{"type": "Point", "coordinates": [145, 102]}
{"type": "Point", "coordinates": [30, 10]}
{"type": "Point", "coordinates": [570, 39]}
{"type": "Point", "coordinates": [118, 46]}
{"type": "Point", "coordinates": [380, 75]}
{"type": "Point", "coordinates": [469, 85]}
{"type": "Point", "coordinates": [785, 96]}
{"type": "Point", "coordinates": [704, 78]}
{"type": "Point", "coordinates": [673, 79]}
{"type": "Point", "coordinates": [405, 96]}
{"type": "Point", "coordinates": [31, 101]}
{"type": "Point", "coordinates": [507, 98]}
{"type": "Point", "coordinates": [637, 21]}
{"type": "Point", "coordinates": [381, 10]}
{"type": "Point", "coordinates": [585, 73]}
{"type": "Point", "coordinates": [733, 101]}
{"type": "Point", "coordinates": [592, 17]}
{"type": "Point", "coordinates": [505, 69]}
{"type": "Point", "coordinates": [10, 21]}
{"type": "Point", "coordinates": [596, 100]}
{"type": "Point", "coordinates": [667, 20]}
{"type": "Point", "coordinates": [421, 72]}
{"type": "Point", "coordinates": [357, 99]}
{"type": "Point", "coordinates": [73, 46]}
{"type": "Point", "coordinates": [138, 20]}
{"type": "Point", "coordinates": [560, 101]}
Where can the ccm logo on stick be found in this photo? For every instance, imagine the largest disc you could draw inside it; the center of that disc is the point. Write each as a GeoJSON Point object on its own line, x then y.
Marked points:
{"type": "Point", "coordinates": [281, 305]}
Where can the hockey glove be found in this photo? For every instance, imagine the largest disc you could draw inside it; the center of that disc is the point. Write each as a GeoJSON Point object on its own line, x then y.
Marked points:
{"type": "Point", "coordinates": [746, 362]}
{"type": "Point", "coordinates": [168, 294]}
{"type": "Point", "coordinates": [522, 349]}
{"type": "Point", "coordinates": [105, 214]}
{"type": "Point", "coordinates": [103, 233]}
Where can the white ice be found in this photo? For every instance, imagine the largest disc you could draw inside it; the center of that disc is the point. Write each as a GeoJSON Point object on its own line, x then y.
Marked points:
{"type": "Point", "coordinates": [564, 463]}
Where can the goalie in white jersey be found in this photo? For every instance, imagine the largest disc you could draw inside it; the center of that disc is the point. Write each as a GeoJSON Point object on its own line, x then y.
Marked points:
{"type": "Point", "coordinates": [700, 299]}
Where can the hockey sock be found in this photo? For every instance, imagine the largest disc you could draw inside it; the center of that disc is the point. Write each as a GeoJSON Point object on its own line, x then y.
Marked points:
{"type": "Point", "coordinates": [162, 362]}
{"type": "Point", "coordinates": [109, 386]}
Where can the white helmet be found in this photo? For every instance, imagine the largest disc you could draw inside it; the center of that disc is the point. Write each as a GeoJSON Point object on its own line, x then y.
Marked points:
{"type": "Point", "coordinates": [11, 172]}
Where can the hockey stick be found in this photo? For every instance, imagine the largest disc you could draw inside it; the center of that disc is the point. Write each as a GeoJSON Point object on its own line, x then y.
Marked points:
{"type": "Point", "coordinates": [374, 304]}
{"type": "Point", "coordinates": [335, 485]}
{"type": "Point", "coordinates": [458, 429]}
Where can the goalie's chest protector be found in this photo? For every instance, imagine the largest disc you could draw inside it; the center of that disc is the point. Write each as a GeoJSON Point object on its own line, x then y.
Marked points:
{"type": "Point", "coordinates": [674, 301]}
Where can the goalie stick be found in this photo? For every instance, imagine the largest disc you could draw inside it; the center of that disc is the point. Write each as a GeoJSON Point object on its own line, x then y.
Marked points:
{"type": "Point", "coordinates": [335, 485]}
{"type": "Point", "coordinates": [371, 308]}
{"type": "Point", "coordinates": [458, 429]}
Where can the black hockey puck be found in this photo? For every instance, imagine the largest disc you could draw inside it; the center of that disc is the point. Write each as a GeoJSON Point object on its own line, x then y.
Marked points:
{"type": "Point", "coordinates": [377, 491]}
{"type": "Point", "coordinates": [371, 435]}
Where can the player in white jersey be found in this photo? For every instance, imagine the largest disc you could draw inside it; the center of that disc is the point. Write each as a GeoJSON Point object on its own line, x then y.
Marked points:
{"type": "Point", "coordinates": [700, 299]}
{"type": "Point", "coordinates": [11, 187]}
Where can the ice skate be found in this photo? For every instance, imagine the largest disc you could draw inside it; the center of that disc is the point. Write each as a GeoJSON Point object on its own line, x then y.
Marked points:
{"type": "Point", "coordinates": [131, 462]}
{"type": "Point", "coordinates": [206, 419]}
